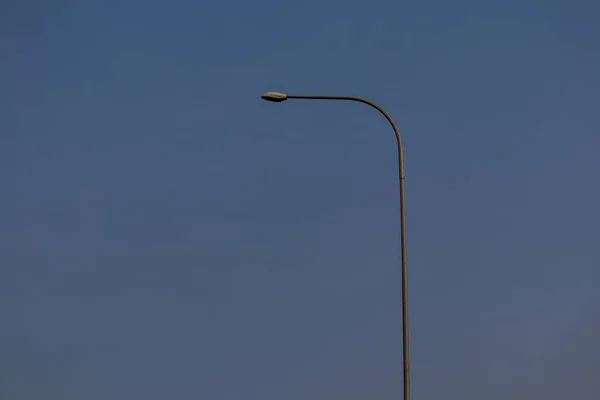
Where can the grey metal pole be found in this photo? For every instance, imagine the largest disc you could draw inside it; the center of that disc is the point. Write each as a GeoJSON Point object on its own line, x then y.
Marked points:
{"type": "Point", "coordinates": [279, 97]}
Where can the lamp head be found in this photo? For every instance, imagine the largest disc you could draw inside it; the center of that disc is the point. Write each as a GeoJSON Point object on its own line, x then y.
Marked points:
{"type": "Point", "coordinates": [275, 97]}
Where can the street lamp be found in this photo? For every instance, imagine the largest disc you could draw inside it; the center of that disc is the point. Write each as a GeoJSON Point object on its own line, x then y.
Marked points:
{"type": "Point", "coordinates": [278, 98]}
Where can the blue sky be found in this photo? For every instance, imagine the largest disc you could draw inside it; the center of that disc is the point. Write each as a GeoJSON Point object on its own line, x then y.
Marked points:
{"type": "Point", "coordinates": [166, 234]}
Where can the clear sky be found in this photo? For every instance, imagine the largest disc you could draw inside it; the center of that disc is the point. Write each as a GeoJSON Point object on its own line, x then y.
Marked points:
{"type": "Point", "coordinates": [165, 234]}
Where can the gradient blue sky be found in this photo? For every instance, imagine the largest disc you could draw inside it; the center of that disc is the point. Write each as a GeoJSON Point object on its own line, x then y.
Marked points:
{"type": "Point", "coordinates": [165, 234]}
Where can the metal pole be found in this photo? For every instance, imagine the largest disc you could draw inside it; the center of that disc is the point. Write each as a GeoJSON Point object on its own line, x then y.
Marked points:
{"type": "Point", "coordinates": [405, 350]}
